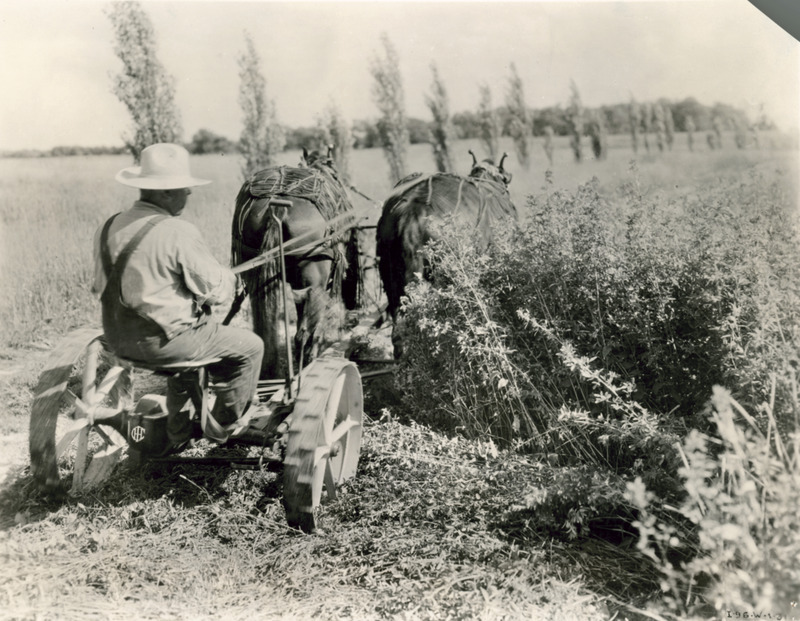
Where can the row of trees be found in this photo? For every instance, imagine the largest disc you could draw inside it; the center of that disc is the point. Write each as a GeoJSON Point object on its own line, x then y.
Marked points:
{"type": "Point", "coordinates": [657, 121]}
{"type": "Point", "coordinates": [147, 91]}
{"type": "Point", "coordinates": [689, 117]}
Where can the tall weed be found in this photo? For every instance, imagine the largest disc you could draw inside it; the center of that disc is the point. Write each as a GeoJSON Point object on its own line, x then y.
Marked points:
{"type": "Point", "coordinates": [739, 532]}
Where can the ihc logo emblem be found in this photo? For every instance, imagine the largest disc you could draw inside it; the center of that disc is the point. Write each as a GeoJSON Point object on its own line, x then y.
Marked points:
{"type": "Point", "coordinates": [137, 433]}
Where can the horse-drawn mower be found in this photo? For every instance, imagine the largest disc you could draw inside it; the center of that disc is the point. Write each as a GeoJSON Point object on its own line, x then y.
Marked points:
{"type": "Point", "coordinates": [85, 417]}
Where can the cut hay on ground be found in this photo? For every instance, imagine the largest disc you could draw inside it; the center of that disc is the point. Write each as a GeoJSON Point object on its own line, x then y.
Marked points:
{"type": "Point", "coordinates": [418, 534]}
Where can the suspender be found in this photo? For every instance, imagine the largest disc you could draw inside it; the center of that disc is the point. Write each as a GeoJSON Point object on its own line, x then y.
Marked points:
{"type": "Point", "coordinates": [114, 270]}
{"type": "Point", "coordinates": [105, 254]}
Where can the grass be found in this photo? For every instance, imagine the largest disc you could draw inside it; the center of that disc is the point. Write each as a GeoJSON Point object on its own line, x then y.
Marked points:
{"type": "Point", "coordinates": [431, 528]}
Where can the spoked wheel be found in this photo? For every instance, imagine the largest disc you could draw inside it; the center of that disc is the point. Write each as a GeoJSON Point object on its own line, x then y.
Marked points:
{"type": "Point", "coordinates": [324, 438]}
{"type": "Point", "coordinates": [76, 414]}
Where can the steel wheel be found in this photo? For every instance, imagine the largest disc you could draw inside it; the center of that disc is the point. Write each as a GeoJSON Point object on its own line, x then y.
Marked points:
{"type": "Point", "coordinates": [77, 404]}
{"type": "Point", "coordinates": [324, 438]}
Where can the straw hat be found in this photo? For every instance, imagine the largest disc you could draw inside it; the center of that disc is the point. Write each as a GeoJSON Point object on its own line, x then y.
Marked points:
{"type": "Point", "coordinates": [164, 166]}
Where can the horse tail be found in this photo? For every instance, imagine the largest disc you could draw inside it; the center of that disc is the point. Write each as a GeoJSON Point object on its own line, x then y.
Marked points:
{"type": "Point", "coordinates": [353, 283]}
{"type": "Point", "coordinates": [391, 256]}
{"type": "Point", "coordinates": [267, 304]}
{"type": "Point", "coordinates": [243, 203]}
{"type": "Point", "coordinates": [263, 284]}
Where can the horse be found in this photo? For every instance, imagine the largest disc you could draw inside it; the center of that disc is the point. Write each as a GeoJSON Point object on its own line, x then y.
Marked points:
{"type": "Point", "coordinates": [319, 278]}
{"type": "Point", "coordinates": [480, 200]}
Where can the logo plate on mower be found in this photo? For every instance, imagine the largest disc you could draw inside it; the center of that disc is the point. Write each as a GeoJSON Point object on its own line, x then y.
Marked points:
{"type": "Point", "coordinates": [138, 433]}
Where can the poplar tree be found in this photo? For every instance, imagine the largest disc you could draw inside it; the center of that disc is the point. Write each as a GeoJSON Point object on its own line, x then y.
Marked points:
{"type": "Point", "coordinates": [441, 130]}
{"type": "Point", "coordinates": [336, 132]}
{"type": "Point", "coordinates": [647, 124]}
{"type": "Point", "coordinates": [690, 128]}
{"type": "Point", "coordinates": [669, 126]}
{"type": "Point", "coordinates": [144, 86]}
{"type": "Point", "coordinates": [520, 118]}
{"type": "Point", "coordinates": [575, 117]}
{"type": "Point", "coordinates": [635, 114]}
{"type": "Point", "coordinates": [598, 133]}
{"type": "Point", "coordinates": [549, 143]}
{"type": "Point", "coordinates": [388, 95]}
{"type": "Point", "coordinates": [262, 138]}
{"type": "Point", "coordinates": [489, 126]}
{"type": "Point", "coordinates": [660, 126]}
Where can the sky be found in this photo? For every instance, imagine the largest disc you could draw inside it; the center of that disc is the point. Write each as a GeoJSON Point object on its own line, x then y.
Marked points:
{"type": "Point", "coordinates": [57, 59]}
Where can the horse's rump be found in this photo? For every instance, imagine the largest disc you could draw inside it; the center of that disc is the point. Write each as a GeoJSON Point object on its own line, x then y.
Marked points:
{"type": "Point", "coordinates": [310, 184]}
{"type": "Point", "coordinates": [476, 202]}
{"type": "Point", "coordinates": [318, 275]}
{"type": "Point", "coordinates": [402, 230]}
{"type": "Point", "coordinates": [288, 183]}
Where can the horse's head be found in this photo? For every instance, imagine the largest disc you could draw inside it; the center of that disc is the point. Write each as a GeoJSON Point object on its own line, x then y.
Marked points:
{"type": "Point", "coordinates": [314, 159]}
{"type": "Point", "coordinates": [487, 170]}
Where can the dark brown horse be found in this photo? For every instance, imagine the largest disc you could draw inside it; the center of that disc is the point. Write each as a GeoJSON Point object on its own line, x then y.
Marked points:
{"type": "Point", "coordinates": [317, 277]}
{"type": "Point", "coordinates": [480, 201]}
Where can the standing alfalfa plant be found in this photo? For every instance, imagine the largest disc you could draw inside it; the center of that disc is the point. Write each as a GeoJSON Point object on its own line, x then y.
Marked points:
{"type": "Point", "coordinates": [736, 526]}
{"type": "Point", "coordinates": [488, 125]}
{"type": "Point", "coordinates": [144, 85]}
{"type": "Point", "coordinates": [520, 118]}
{"type": "Point", "coordinates": [336, 132]}
{"type": "Point", "coordinates": [575, 120]}
{"type": "Point", "coordinates": [442, 129]}
{"type": "Point", "coordinates": [389, 97]}
{"type": "Point", "coordinates": [635, 114]}
{"type": "Point", "coordinates": [262, 138]}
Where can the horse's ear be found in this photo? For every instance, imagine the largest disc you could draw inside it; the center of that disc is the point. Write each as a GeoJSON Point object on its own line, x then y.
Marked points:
{"type": "Point", "coordinates": [502, 159]}
{"type": "Point", "coordinates": [474, 159]}
{"type": "Point", "coordinates": [305, 157]}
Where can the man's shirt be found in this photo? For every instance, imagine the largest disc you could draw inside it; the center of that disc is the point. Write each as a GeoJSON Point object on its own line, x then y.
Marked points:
{"type": "Point", "coordinates": [172, 273]}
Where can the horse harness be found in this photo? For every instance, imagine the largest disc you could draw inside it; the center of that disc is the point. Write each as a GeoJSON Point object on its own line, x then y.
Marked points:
{"type": "Point", "coordinates": [485, 188]}
{"type": "Point", "coordinates": [297, 183]}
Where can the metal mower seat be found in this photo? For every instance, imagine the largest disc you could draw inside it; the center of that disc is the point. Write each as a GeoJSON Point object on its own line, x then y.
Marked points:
{"type": "Point", "coordinates": [195, 371]}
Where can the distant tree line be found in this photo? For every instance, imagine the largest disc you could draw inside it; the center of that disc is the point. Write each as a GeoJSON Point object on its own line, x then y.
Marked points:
{"type": "Point", "coordinates": [62, 151]}
{"type": "Point", "coordinates": [688, 115]}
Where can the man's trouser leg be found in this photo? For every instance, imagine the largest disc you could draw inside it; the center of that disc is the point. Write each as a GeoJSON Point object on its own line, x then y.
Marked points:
{"type": "Point", "coordinates": [235, 376]}
{"type": "Point", "coordinates": [179, 391]}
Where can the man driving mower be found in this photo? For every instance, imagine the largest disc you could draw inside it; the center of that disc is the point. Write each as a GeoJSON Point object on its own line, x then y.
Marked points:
{"type": "Point", "coordinates": [157, 279]}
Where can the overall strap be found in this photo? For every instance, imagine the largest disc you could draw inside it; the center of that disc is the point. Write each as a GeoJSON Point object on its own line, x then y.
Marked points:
{"type": "Point", "coordinates": [105, 253]}
{"type": "Point", "coordinates": [115, 271]}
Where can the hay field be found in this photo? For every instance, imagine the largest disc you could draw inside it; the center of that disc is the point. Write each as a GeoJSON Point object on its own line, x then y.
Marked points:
{"type": "Point", "coordinates": [425, 531]}
{"type": "Point", "coordinates": [51, 208]}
